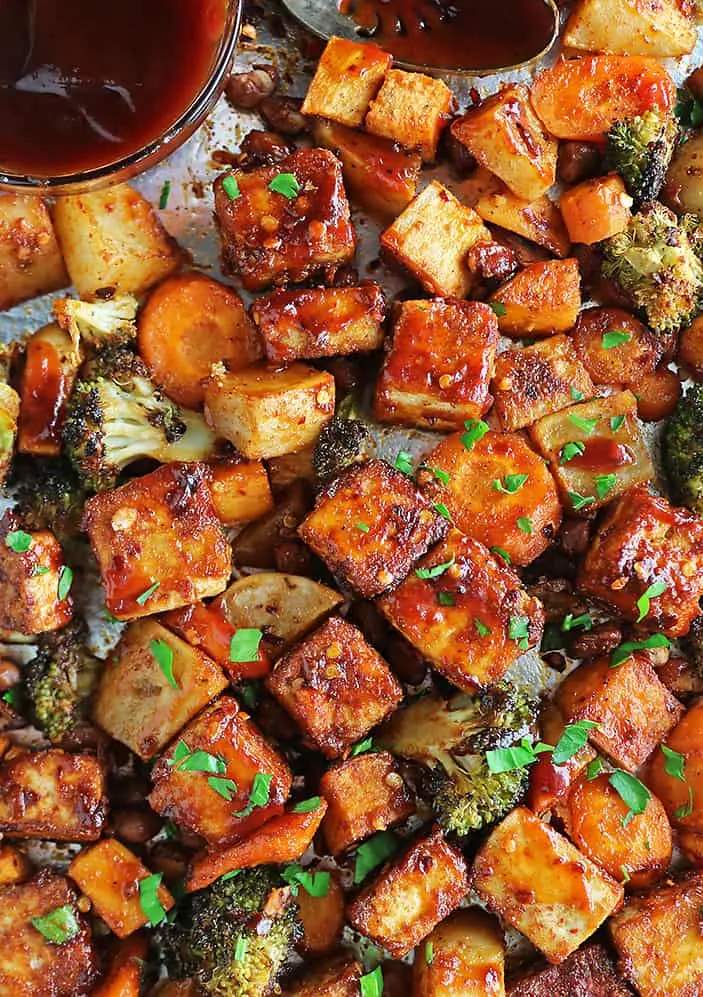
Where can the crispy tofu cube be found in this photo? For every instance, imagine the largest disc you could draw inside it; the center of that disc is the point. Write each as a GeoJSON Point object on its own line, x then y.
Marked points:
{"type": "Point", "coordinates": [338, 977]}
{"type": "Point", "coordinates": [441, 361]}
{"type": "Point", "coordinates": [532, 382]}
{"type": "Point", "coordinates": [192, 799]}
{"type": "Point", "coordinates": [158, 541]}
{"type": "Point", "coordinates": [29, 580]}
{"type": "Point", "coordinates": [412, 109]}
{"type": "Point", "coordinates": [541, 885]}
{"type": "Point", "coordinates": [431, 239]}
{"type": "Point", "coordinates": [137, 704]}
{"type": "Point", "coordinates": [658, 938]}
{"type": "Point", "coordinates": [541, 299]}
{"type": "Point", "coordinates": [644, 540]}
{"type": "Point", "coordinates": [240, 491]}
{"type": "Point", "coordinates": [506, 137]}
{"type": "Point", "coordinates": [15, 867]}
{"type": "Point", "coordinates": [30, 964]}
{"type": "Point", "coordinates": [684, 812]}
{"type": "Point", "coordinates": [498, 491]}
{"type": "Point", "coordinates": [538, 220]}
{"type": "Point", "coordinates": [30, 259]}
{"type": "Point", "coordinates": [596, 464]}
{"type": "Point", "coordinates": [347, 78]}
{"type": "Point", "coordinates": [109, 875]}
{"type": "Point", "coordinates": [588, 972]}
{"type": "Point", "coordinates": [480, 628]}
{"type": "Point", "coordinates": [463, 955]}
{"type": "Point", "coordinates": [411, 895]}
{"type": "Point", "coordinates": [270, 238]}
{"type": "Point", "coordinates": [320, 321]}
{"type": "Point", "coordinates": [52, 794]}
{"type": "Point", "coordinates": [633, 709]}
{"type": "Point", "coordinates": [335, 686]}
{"type": "Point", "coordinates": [364, 794]}
{"type": "Point", "coordinates": [268, 410]}
{"type": "Point", "coordinates": [397, 526]}
{"type": "Point", "coordinates": [658, 28]}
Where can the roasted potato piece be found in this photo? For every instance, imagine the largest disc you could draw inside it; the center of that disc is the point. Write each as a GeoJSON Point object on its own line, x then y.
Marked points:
{"type": "Point", "coordinates": [158, 541]}
{"type": "Point", "coordinates": [123, 975]}
{"type": "Point", "coordinates": [259, 543]}
{"type": "Point", "coordinates": [30, 259]}
{"type": "Point", "coordinates": [411, 895]}
{"type": "Point", "coordinates": [463, 955]}
{"type": "Point", "coordinates": [683, 189]}
{"type": "Point", "coordinates": [411, 109]}
{"type": "Point", "coordinates": [337, 977]}
{"type": "Point", "coordinates": [596, 209]}
{"type": "Point", "coordinates": [29, 580]}
{"type": "Point", "coordinates": [683, 799]}
{"type": "Point", "coordinates": [541, 299]}
{"type": "Point", "coordinates": [609, 357]}
{"type": "Point", "coordinates": [347, 77]}
{"type": "Point", "coordinates": [537, 219]}
{"type": "Point", "coordinates": [588, 972]}
{"type": "Point", "coordinates": [658, 28]}
{"type": "Point", "coordinates": [240, 491]}
{"type": "Point", "coordinates": [540, 884]}
{"type": "Point", "coordinates": [657, 394]}
{"type": "Point", "coordinates": [690, 352]}
{"type": "Point", "coordinates": [15, 866]}
{"type": "Point", "coordinates": [50, 368]}
{"type": "Point", "coordinates": [323, 919]}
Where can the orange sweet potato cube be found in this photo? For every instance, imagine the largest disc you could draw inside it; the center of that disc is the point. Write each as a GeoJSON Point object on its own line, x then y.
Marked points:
{"type": "Point", "coordinates": [29, 580]}
{"type": "Point", "coordinates": [411, 109]}
{"type": "Point", "coordinates": [541, 299]}
{"type": "Point", "coordinates": [596, 209]}
{"type": "Point", "coordinates": [240, 491]}
{"type": "Point", "coordinates": [336, 977]}
{"type": "Point", "coordinates": [346, 79]}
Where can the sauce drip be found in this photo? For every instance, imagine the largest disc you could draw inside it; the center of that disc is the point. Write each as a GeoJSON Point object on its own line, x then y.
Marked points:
{"type": "Point", "coordinates": [84, 83]}
{"type": "Point", "coordinates": [602, 454]}
{"type": "Point", "coordinates": [458, 34]}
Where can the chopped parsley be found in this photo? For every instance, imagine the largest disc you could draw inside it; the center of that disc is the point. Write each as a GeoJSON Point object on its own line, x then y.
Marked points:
{"type": "Point", "coordinates": [643, 603]}
{"type": "Point", "coordinates": [163, 654]}
{"type": "Point", "coordinates": [286, 184]}
{"type": "Point", "coordinates": [244, 645]}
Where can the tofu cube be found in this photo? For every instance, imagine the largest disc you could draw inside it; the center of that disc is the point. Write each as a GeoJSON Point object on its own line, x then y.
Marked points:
{"type": "Point", "coordinates": [271, 238]}
{"type": "Point", "coordinates": [411, 109]}
{"type": "Point", "coordinates": [320, 321]}
{"type": "Point", "coordinates": [347, 78]}
{"type": "Point", "coordinates": [268, 410]}
{"type": "Point", "coordinates": [31, 965]}
{"type": "Point", "coordinates": [136, 702]}
{"type": "Point", "coordinates": [504, 135]}
{"type": "Point", "coordinates": [240, 491]}
{"type": "Point", "coordinates": [633, 709]}
{"type": "Point", "coordinates": [29, 580]}
{"type": "Point", "coordinates": [659, 941]}
{"type": "Point", "coordinates": [411, 895]}
{"type": "Point", "coordinates": [438, 368]}
{"type": "Point", "coordinates": [431, 239]}
{"type": "Point", "coordinates": [364, 794]}
{"type": "Point", "coordinates": [158, 541]}
{"type": "Point", "coordinates": [540, 300]}
{"type": "Point", "coordinates": [30, 259]}
{"type": "Point", "coordinates": [541, 885]}
{"type": "Point", "coordinates": [52, 794]}
{"type": "Point", "coordinates": [588, 972]}
{"type": "Point", "coordinates": [109, 875]}
{"type": "Point", "coordinates": [463, 955]}
{"type": "Point", "coordinates": [15, 866]}
{"type": "Point", "coordinates": [480, 627]}
{"type": "Point", "coordinates": [537, 380]}
{"type": "Point", "coordinates": [209, 805]}
{"type": "Point", "coordinates": [335, 686]}
{"type": "Point", "coordinates": [337, 977]}
{"type": "Point", "coordinates": [644, 540]}
{"type": "Point", "coordinates": [397, 526]}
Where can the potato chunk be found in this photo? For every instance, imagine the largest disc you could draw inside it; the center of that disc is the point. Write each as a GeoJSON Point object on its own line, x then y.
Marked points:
{"type": "Point", "coordinates": [438, 369]}
{"type": "Point", "coordinates": [364, 794]}
{"type": "Point", "coordinates": [615, 347]}
{"type": "Point", "coordinates": [684, 810]}
{"type": "Point", "coordinates": [540, 884]}
{"type": "Point", "coordinates": [336, 686]}
{"type": "Point", "coordinates": [30, 259]}
{"type": "Point", "coordinates": [497, 491]}
{"type": "Point", "coordinates": [269, 237]}
{"type": "Point", "coordinates": [411, 109]}
{"type": "Point", "coordinates": [29, 580]}
{"type": "Point", "coordinates": [369, 526]}
{"type": "Point", "coordinates": [338, 977]}
{"type": "Point", "coordinates": [158, 541]}
{"type": "Point", "coordinates": [347, 77]}
{"type": "Point", "coordinates": [484, 622]}
{"type": "Point", "coordinates": [543, 298]}
{"type": "Point", "coordinates": [463, 955]}
{"type": "Point", "coordinates": [538, 220]}
{"type": "Point", "coordinates": [137, 704]}
{"type": "Point", "coordinates": [643, 541]}
{"type": "Point", "coordinates": [411, 895]}
{"type": "Point", "coordinates": [207, 804]}
{"type": "Point", "coordinates": [657, 28]}
{"type": "Point", "coordinates": [267, 410]}
{"type": "Point", "coordinates": [52, 794]}
{"type": "Point", "coordinates": [588, 972]}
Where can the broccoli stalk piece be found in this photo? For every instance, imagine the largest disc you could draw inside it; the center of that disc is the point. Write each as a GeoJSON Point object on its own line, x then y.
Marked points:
{"type": "Point", "coordinates": [449, 740]}
{"type": "Point", "coordinates": [344, 441]}
{"type": "Point", "coordinates": [99, 323]}
{"type": "Point", "coordinates": [47, 496]}
{"type": "Point", "coordinates": [116, 415]}
{"type": "Point", "coordinates": [682, 450]}
{"type": "Point", "coordinates": [656, 264]}
{"type": "Point", "coordinates": [235, 937]}
{"type": "Point", "coordinates": [640, 150]}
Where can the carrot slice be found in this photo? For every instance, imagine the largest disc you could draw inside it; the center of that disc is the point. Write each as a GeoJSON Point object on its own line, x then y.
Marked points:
{"type": "Point", "coordinates": [124, 972]}
{"type": "Point", "coordinates": [208, 628]}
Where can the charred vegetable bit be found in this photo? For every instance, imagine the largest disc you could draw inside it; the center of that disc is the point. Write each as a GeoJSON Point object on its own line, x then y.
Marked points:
{"type": "Point", "coordinates": [682, 449]}
{"type": "Point", "coordinates": [48, 496]}
{"type": "Point", "coordinates": [344, 441]}
{"type": "Point", "coordinates": [640, 150]}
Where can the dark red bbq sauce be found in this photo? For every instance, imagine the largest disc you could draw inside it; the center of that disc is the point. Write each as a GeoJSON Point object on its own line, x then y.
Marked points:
{"type": "Point", "coordinates": [84, 83]}
{"type": "Point", "coordinates": [602, 454]}
{"type": "Point", "coordinates": [458, 34]}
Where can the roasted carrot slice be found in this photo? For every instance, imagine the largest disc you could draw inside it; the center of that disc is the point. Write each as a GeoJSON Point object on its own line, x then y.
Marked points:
{"type": "Point", "coordinates": [124, 970]}
{"type": "Point", "coordinates": [207, 628]}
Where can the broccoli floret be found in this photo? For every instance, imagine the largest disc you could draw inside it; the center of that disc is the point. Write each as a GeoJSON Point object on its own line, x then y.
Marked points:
{"type": "Point", "coordinates": [640, 150]}
{"type": "Point", "coordinates": [344, 441]}
{"type": "Point", "coordinates": [117, 415]}
{"type": "Point", "coordinates": [99, 323]}
{"type": "Point", "coordinates": [450, 738]}
{"type": "Point", "coordinates": [682, 450]}
{"type": "Point", "coordinates": [59, 679]}
{"type": "Point", "coordinates": [47, 495]}
{"type": "Point", "coordinates": [655, 262]}
{"type": "Point", "coordinates": [235, 937]}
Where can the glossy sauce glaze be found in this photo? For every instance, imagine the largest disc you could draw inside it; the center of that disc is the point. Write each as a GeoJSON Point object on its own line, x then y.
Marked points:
{"type": "Point", "coordinates": [601, 454]}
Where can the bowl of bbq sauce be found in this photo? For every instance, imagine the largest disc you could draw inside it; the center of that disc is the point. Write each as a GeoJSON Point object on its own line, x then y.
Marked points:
{"type": "Point", "coordinates": [95, 91]}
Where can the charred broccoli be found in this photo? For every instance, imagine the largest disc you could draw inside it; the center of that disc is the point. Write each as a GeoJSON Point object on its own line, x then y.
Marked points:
{"type": "Point", "coordinates": [99, 323]}
{"type": "Point", "coordinates": [344, 441]}
{"type": "Point", "coordinates": [117, 415]}
{"type": "Point", "coordinates": [655, 262]}
{"type": "Point", "coordinates": [235, 937]}
{"type": "Point", "coordinates": [640, 150]}
{"type": "Point", "coordinates": [682, 450]}
{"type": "Point", "coordinates": [47, 495]}
{"type": "Point", "coordinates": [449, 739]}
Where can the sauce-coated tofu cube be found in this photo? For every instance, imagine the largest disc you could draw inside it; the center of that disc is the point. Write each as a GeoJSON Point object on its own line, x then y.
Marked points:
{"type": "Point", "coordinates": [336, 686]}
{"type": "Point", "coordinates": [269, 237]}
{"type": "Point", "coordinates": [440, 364]}
{"type": "Point", "coordinates": [463, 955]}
{"type": "Point", "coordinates": [338, 977]}
{"type": "Point", "coordinates": [346, 79]}
{"type": "Point", "coordinates": [29, 580]}
{"type": "Point", "coordinates": [364, 794]}
{"type": "Point", "coordinates": [370, 525]}
{"type": "Point", "coordinates": [411, 895]}
{"type": "Point", "coordinates": [588, 972]}
{"type": "Point", "coordinates": [482, 623]}
{"type": "Point", "coordinates": [158, 542]}
{"type": "Point", "coordinates": [411, 109]}
{"type": "Point", "coordinates": [541, 299]}
{"type": "Point", "coordinates": [541, 885]}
